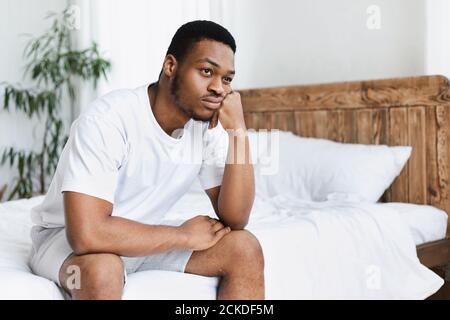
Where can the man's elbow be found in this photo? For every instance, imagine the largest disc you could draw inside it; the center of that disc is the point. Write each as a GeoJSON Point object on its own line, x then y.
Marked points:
{"type": "Point", "coordinates": [82, 243]}
{"type": "Point", "coordinates": [235, 217]}
{"type": "Point", "coordinates": [238, 223]}
{"type": "Point", "coordinates": [238, 226]}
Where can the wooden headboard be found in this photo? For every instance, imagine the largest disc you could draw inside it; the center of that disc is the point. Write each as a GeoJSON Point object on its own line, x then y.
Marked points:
{"type": "Point", "coordinates": [411, 111]}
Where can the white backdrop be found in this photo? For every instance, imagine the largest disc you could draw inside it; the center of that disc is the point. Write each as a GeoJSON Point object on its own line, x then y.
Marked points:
{"type": "Point", "coordinates": [279, 42]}
{"type": "Point", "coordinates": [19, 17]}
{"type": "Point", "coordinates": [135, 36]}
{"type": "Point", "coordinates": [438, 37]}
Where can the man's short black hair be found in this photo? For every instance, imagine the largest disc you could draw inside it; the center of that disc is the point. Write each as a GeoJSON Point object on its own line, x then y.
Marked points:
{"type": "Point", "coordinates": [192, 32]}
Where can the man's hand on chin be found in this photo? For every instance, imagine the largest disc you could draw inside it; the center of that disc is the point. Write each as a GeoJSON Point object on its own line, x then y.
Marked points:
{"type": "Point", "coordinates": [230, 114]}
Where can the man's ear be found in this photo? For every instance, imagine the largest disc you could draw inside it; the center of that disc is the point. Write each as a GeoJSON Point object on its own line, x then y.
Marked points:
{"type": "Point", "coordinates": [170, 65]}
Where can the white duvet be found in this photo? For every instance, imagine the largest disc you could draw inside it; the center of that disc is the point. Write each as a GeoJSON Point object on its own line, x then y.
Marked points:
{"type": "Point", "coordinates": [326, 250]}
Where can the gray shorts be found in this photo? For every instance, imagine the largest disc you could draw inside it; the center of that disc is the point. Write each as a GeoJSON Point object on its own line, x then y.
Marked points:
{"type": "Point", "coordinates": [51, 249]}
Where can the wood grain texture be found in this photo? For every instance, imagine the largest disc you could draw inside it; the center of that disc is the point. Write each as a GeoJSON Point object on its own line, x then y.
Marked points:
{"type": "Point", "coordinates": [412, 91]}
{"type": "Point", "coordinates": [433, 189]}
{"type": "Point", "coordinates": [417, 169]}
{"type": "Point", "coordinates": [398, 136]}
{"type": "Point", "coordinates": [443, 157]}
{"type": "Point", "coordinates": [427, 253]}
{"type": "Point", "coordinates": [412, 111]}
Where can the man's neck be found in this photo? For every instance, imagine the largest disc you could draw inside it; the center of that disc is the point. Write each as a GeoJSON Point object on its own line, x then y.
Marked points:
{"type": "Point", "coordinates": [169, 116]}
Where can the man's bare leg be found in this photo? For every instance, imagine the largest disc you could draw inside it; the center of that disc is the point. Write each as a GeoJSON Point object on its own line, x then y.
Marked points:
{"type": "Point", "coordinates": [238, 259]}
{"type": "Point", "coordinates": [102, 277]}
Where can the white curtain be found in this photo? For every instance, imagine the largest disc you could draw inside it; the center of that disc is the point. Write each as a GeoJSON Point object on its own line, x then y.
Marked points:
{"type": "Point", "coordinates": [134, 35]}
{"type": "Point", "coordinates": [438, 37]}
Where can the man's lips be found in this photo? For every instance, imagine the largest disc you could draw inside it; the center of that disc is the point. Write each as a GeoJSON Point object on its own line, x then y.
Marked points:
{"type": "Point", "coordinates": [212, 103]}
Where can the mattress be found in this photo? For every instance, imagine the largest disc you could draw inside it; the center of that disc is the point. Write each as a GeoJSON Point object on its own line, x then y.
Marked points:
{"type": "Point", "coordinates": [327, 250]}
{"type": "Point", "coordinates": [426, 223]}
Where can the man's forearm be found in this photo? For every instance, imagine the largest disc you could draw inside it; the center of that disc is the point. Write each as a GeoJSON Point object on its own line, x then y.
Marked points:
{"type": "Point", "coordinates": [238, 188]}
{"type": "Point", "coordinates": [126, 237]}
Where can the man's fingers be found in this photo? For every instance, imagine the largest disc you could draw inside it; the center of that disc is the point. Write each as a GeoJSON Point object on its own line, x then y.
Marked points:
{"type": "Point", "coordinates": [217, 226]}
{"type": "Point", "coordinates": [222, 232]}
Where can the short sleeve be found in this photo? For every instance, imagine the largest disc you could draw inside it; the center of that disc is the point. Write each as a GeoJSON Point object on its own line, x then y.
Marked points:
{"type": "Point", "coordinates": [215, 152]}
{"type": "Point", "coordinates": [96, 149]}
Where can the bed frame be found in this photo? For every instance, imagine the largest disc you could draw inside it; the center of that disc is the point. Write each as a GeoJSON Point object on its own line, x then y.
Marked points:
{"type": "Point", "coordinates": [411, 111]}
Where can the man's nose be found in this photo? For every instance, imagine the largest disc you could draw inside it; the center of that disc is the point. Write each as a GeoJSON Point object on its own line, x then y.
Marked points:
{"type": "Point", "coordinates": [217, 87]}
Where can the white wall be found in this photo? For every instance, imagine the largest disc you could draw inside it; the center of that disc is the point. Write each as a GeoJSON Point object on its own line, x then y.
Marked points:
{"type": "Point", "coordinates": [313, 41]}
{"type": "Point", "coordinates": [18, 17]}
{"type": "Point", "coordinates": [134, 37]}
{"type": "Point", "coordinates": [438, 37]}
{"type": "Point", "coordinates": [280, 42]}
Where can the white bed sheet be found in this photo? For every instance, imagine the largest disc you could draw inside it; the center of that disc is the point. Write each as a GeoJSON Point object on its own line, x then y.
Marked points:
{"type": "Point", "coordinates": [327, 250]}
{"type": "Point", "coordinates": [426, 223]}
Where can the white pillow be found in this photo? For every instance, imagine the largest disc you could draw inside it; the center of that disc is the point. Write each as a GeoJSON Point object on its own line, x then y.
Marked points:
{"type": "Point", "coordinates": [319, 169]}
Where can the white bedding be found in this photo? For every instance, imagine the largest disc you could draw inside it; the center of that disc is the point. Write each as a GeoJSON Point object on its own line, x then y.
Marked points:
{"type": "Point", "coordinates": [323, 250]}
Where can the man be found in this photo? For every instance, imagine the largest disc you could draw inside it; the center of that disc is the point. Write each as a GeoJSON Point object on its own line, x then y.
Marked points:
{"type": "Point", "coordinates": [121, 171]}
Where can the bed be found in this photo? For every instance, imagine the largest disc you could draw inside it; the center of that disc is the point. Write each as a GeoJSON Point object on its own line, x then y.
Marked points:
{"type": "Point", "coordinates": [334, 249]}
{"type": "Point", "coordinates": [405, 111]}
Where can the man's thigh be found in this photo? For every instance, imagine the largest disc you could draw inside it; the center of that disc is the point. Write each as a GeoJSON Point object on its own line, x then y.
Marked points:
{"type": "Point", "coordinates": [50, 250]}
{"type": "Point", "coordinates": [174, 260]}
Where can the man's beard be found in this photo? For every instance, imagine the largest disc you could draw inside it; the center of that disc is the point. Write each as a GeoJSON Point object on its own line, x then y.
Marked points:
{"type": "Point", "coordinates": [174, 92]}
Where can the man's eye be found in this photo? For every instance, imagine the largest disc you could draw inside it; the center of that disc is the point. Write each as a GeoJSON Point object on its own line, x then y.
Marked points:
{"type": "Point", "coordinates": [228, 79]}
{"type": "Point", "coordinates": [206, 71]}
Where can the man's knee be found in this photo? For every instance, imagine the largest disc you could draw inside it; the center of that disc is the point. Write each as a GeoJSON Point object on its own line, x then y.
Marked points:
{"type": "Point", "coordinates": [97, 272]}
{"type": "Point", "coordinates": [243, 248]}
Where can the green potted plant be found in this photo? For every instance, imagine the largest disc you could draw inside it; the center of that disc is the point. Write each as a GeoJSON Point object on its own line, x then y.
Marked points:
{"type": "Point", "coordinates": [54, 66]}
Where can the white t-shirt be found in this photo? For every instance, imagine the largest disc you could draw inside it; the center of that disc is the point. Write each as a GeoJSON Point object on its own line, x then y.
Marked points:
{"type": "Point", "coordinates": [118, 152]}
